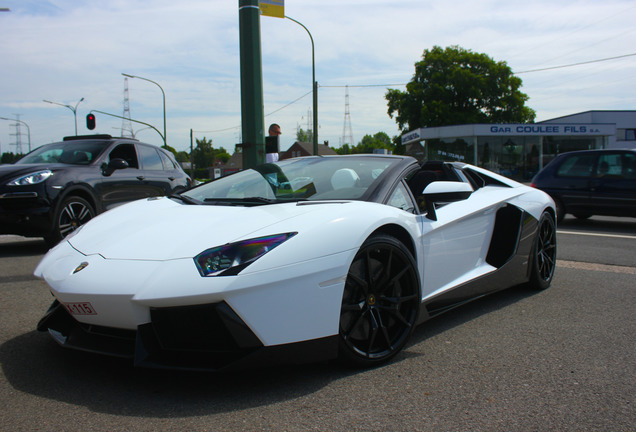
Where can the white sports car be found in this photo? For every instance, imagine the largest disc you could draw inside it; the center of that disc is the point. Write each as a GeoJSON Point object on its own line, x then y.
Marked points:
{"type": "Point", "coordinates": [302, 260]}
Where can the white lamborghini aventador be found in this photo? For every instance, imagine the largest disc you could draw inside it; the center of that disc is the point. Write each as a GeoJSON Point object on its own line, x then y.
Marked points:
{"type": "Point", "coordinates": [301, 260]}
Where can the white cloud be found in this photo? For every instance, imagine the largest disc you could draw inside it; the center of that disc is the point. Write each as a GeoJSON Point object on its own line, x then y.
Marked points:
{"type": "Point", "coordinates": [63, 50]}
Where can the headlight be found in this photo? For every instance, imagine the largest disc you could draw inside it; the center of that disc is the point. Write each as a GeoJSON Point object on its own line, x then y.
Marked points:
{"type": "Point", "coordinates": [230, 259]}
{"type": "Point", "coordinates": [33, 178]}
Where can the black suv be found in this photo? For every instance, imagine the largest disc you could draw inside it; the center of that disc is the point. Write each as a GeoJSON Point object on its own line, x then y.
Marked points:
{"type": "Point", "coordinates": [58, 187]}
{"type": "Point", "coordinates": [591, 182]}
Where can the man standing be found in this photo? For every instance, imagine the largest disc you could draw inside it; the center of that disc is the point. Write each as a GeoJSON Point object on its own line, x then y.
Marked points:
{"type": "Point", "coordinates": [274, 131]}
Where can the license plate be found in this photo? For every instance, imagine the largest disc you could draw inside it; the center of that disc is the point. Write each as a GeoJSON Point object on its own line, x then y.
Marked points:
{"type": "Point", "coordinates": [84, 308]}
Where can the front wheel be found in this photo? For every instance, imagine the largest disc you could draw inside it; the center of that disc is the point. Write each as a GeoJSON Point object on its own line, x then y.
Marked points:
{"type": "Point", "coordinates": [380, 303]}
{"type": "Point", "coordinates": [72, 213]}
{"type": "Point", "coordinates": [544, 253]}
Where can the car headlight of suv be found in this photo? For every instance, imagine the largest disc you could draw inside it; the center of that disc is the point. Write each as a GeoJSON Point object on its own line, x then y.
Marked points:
{"type": "Point", "coordinates": [32, 178]}
{"type": "Point", "coordinates": [231, 258]}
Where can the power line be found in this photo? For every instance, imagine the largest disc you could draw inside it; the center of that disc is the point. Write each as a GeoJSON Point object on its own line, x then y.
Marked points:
{"type": "Point", "coordinates": [576, 64]}
{"type": "Point", "coordinates": [266, 115]}
{"type": "Point", "coordinates": [363, 85]}
{"type": "Point", "coordinates": [403, 84]}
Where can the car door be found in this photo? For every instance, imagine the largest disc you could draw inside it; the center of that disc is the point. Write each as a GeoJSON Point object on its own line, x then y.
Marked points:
{"type": "Point", "coordinates": [572, 181]}
{"type": "Point", "coordinates": [123, 185]}
{"type": "Point", "coordinates": [454, 245]}
{"type": "Point", "coordinates": [613, 187]}
{"type": "Point", "coordinates": [158, 179]}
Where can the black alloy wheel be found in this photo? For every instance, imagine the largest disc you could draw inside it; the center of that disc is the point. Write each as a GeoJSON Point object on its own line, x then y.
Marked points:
{"type": "Point", "coordinates": [72, 213]}
{"type": "Point", "coordinates": [380, 302]}
{"type": "Point", "coordinates": [544, 253]}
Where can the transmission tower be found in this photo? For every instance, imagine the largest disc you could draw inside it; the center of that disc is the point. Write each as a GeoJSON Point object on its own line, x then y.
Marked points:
{"type": "Point", "coordinates": [18, 135]}
{"type": "Point", "coordinates": [126, 124]}
{"type": "Point", "coordinates": [347, 132]}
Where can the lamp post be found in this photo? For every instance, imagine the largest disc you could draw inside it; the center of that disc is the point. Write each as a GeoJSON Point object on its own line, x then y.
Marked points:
{"type": "Point", "coordinates": [164, 102]}
{"type": "Point", "coordinates": [24, 123]}
{"type": "Point", "coordinates": [74, 109]}
{"type": "Point", "coordinates": [314, 85]}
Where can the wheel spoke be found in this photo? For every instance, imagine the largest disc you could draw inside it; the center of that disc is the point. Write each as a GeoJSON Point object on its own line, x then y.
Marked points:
{"type": "Point", "coordinates": [84, 214]}
{"type": "Point", "coordinates": [65, 229]}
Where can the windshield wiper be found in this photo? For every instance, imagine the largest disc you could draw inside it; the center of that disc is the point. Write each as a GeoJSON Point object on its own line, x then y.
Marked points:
{"type": "Point", "coordinates": [185, 199]}
{"type": "Point", "coordinates": [249, 201]}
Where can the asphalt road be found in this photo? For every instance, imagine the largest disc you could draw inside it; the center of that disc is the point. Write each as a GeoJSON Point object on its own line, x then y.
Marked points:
{"type": "Point", "coordinates": [562, 359]}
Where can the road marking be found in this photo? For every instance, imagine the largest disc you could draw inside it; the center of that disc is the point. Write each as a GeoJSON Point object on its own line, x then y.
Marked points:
{"type": "Point", "coordinates": [596, 234]}
{"type": "Point", "coordinates": [596, 267]}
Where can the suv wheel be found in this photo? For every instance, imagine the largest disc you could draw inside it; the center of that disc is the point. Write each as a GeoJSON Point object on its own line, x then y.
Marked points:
{"type": "Point", "coordinates": [71, 214]}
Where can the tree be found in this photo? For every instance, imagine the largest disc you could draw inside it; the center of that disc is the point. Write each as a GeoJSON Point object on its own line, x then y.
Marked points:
{"type": "Point", "coordinates": [378, 141]}
{"type": "Point", "coordinates": [457, 86]}
{"type": "Point", "coordinates": [304, 136]}
{"type": "Point", "coordinates": [9, 158]}
{"type": "Point", "coordinates": [203, 153]}
{"type": "Point", "coordinates": [369, 143]}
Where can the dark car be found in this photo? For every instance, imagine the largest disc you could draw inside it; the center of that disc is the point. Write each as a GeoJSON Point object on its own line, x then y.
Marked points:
{"type": "Point", "coordinates": [591, 182]}
{"type": "Point", "coordinates": [57, 187]}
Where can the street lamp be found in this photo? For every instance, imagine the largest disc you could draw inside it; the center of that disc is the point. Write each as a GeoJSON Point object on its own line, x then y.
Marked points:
{"type": "Point", "coordinates": [24, 123]}
{"type": "Point", "coordinates": [314, 85]}
{"type": "Point", "coordinates": [74, 109]}
{"type": "Point", "coordinates": [164, 102]}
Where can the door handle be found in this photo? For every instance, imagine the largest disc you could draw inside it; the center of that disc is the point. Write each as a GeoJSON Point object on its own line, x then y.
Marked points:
{"type": "Point", "coordinates": [140, 177]}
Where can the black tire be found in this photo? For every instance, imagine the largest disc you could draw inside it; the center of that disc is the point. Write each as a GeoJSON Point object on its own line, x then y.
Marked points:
{"type": "Point", "coordinates": [72, 213]}
{"type": "Point", "coordinates": [380, 302]}
{"type": "Point", "coordinates": [560, 210]}
{"type": "Point", "coordinates": [544, 253]}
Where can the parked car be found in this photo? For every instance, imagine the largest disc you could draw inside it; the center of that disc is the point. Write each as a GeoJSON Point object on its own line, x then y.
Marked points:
{"type": "Point", "coordinates": [301, 260]}
{"type": "Point", "coordinates": [591, 182]}
{"type": "Point", "coordinates": [58, 187]}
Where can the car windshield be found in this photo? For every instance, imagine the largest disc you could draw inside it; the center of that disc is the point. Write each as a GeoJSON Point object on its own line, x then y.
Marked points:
{"type": "Point", "coordinates": [310, 178]}
{"type": "Point", "coordinates": [72, 153]}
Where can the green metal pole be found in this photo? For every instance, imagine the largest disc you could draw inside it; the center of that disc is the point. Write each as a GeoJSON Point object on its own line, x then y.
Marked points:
{"type": "Point", "coordinates": [252, 116]}
{"type": "Point", "coordinates": [314, 85]}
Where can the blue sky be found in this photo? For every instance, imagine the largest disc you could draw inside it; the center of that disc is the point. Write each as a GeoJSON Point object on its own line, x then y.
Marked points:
{"type": "Point", "coordinates": [63, 50]}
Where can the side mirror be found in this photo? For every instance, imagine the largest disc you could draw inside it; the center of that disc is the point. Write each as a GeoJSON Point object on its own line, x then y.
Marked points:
{"type": "Point", "coordinates": [444, 192]}
{"type": "Point", "coordinates": [113, 165]}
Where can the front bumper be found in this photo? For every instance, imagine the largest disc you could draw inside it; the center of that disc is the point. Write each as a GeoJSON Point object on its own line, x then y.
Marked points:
{"type": "Point", "coordinates": [25, 214]}
{"type": "Point", "coordinates": [163, 313]}
{"type": "Point", "coordinates": [208, 337]}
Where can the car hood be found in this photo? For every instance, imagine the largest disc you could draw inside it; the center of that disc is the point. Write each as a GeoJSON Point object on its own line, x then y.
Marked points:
{"type": "Point", "coordinates": [9, 172]}
{"type": "Point", "coordinates": [164, 229]}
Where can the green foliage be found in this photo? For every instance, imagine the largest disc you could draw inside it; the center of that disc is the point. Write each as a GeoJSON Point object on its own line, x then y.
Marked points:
{"type": "Point", "coordinates": [9, 158]}
{"type": "Point", "coordinates": [204, 155]}
{"type": "Point", "coordinates": [369, 143]}
{"type": "Point", "coordinates": [457, 86]}
{"type": "Point", "coordinates": [170, 149]}
{"type": "Point", "coordinates": [182, 156]}
{"type": "Point", "coordinates": [304, 136]}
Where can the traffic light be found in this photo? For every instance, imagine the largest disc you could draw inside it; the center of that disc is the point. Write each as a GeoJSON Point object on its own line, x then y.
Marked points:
{"type": "Point", "coordinates": [90, 121]}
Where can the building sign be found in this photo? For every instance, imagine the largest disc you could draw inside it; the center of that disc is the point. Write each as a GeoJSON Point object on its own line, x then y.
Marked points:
{"type": "Point", "coordinates": [544, 129]}
{"type": "Point", "coordinates": [513, 129]}
{"type": "Point", "coordinates": [273, 8]}
{"type": "Point", "coordinates": [411, 136]}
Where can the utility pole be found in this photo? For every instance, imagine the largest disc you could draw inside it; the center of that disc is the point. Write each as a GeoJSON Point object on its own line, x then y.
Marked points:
{"type": "Point", "coordinates": [347, 132]}
{"type": "Point", "coordinates": [252, 116]}
{"type": "Point", "coordinates": [126, 124]}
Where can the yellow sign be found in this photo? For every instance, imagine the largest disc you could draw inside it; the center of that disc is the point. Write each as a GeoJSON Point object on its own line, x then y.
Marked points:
{"type": "Point", "coordinates": [273, 8]}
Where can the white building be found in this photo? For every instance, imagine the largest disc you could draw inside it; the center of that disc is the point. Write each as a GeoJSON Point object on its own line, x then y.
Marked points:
{"type": "Point", "coordinates": [520, 150]}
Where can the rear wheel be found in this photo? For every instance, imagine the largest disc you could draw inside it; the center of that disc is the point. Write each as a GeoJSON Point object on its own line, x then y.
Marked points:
{"type": "Point", "coordinates": [380, 303]}
{"type": "Point", "coordinates": [72, 213]}
{"type": "Point", "coordinates": [544, 253]}
{"type": "Point", "coordinates": [560, 210]}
